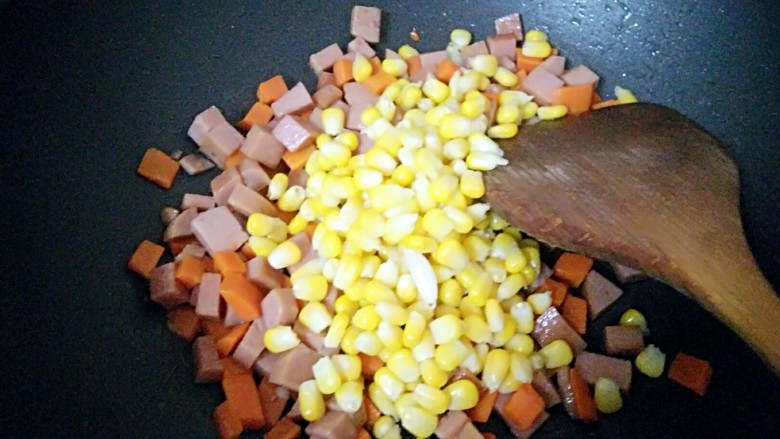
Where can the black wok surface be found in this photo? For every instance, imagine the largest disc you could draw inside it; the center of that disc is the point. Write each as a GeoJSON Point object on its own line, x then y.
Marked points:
{"type": "Point", "coordinates": [86, 87]}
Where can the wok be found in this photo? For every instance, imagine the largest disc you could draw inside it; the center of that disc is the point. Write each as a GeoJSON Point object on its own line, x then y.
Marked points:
{"type": "Point", "coordinates": [86, 87]}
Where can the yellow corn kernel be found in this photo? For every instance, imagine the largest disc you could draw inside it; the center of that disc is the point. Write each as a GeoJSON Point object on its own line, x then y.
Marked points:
{"type": "Point", "coordinates": [485, 64]}
{"type": "Point", "coordinates": [507, 304]}
{"type": "Point", "coordinates": [536, 49]}
{"type": "Point", "coordinates": [463, 394]}
{"type": "Point", "coordinates": [361, 69]}
{"type": "Point", "coordinates": [460, 37]}
{"type": "Point", "coordinates": [529, 273]}
{"type": "Point", "coordinates": [315, 316]}
{"type": "Point", "coordinates": [390, 335]}
{"type": "Point", "coordinates": [310, 401]}
{"type": "Point", "coordinates": [420, 243]}
{"type": "Point", "coordinates": [521, 343]}
{"type": "Point", "coordinates": [333, 120]}
{"type": "Point", "coordinates": [503, 131]}
{"type": "Point", "coordinates": [507, 332]}
{"type": "Point", "coordinates": [432, 374]}
{"type": "Point", "coordinates": [356, 292]}
{"type": "Point", "coordinates": [540, 302]}
{"type": "Point", "coordinates": [369, 116]}
{"type": "Point", "coordinates": [523, 315]}
{"type": "Point", "coordinates": [413, 330]}
{"type": "Point", "coordinates": [366, 178]}
{"type": "Point", "coordinates": [348, 366]}
{"type": "Point", "coordinates": [312, 287]}
{"type": "Point", "coordinates": [455, 126]}
{"type": "Point", "coordinates": [284, 255]}
{"type": "Point", "coordinates": [330, 245]}
{"type": "Point", "coordinates": [404, 366]}
{"type": "Point", "coordinates": [291, 199]}
{"type": "Point", "coordinates": [399, 227]}
{"type": "Point", "coordinates": [381, 160]}
{"type": "Point", "coordinates": [452, 254]}
{"type": "Point", "coordinates": [624, 95]}
{"type": "Point", "coordinates": [510, 286]}
{"type": "Point", "coordinates": [496, 368]}
{"type": "Point", "coordinates": [432, 398]}
{"type": "Point", "coordinates": [308, 268]}
{"type": "Point", "coordinates": [494, 315]}
{"type": "Point", "coordinates": [260, 224]}
{"type": "Point", "coordinates": [406, 401]}
{"type": "Point", "coordinates": [482, 289]}
{"type": "Point", "coordinates": [346, 307]}
{"type": "Point", "coordinates": [435, 90]}
{"type": "Point", "coordinates": [632, 317]}
{"type": "Point", "coordinates": [425, 349]}
{"type": "Point", "coordinates": [381, 400]}
{"type": "Point", "coordinates": [390, 384]}
{"type": "Point", "coordinates": [473, 107]}
{"type": "Point", "coordinates": [392, 313]}
{"type": "Point", "coordinates": [515, 260]}
{"type": "Point", "coordinates": [369, 343]}
{"type": "Point", "coordinates": [348, 340]}
{"type": "Point", "coordinates": [484, 161]}
{"type": "Point", "coordinates": [651, 361]}
{"type": "Point", "coordinates": [419, 421]}
{"type": "Point", "coordinates": [280, 339]}
{"type": "Point", "coordinates": [508, 114]}
{"type": "Point", "coordinates": [477, 247]}
{"type": "Point", "coordinates": [386, 108]}
{"type": "Point", "coordinates": [383, 426]}
{"type": "Point", "coordinates": [468, 276]}
{"type": "Point", "coordinates": [550, 112]}
{"type": "Point", "coordinates": [529, 110]}
{"type": "Point", "coordinates": [409, 97]}
{"type": "Point", "coordinates": [476, 329]}
{"type": "Point", "coordinates": [509, 385]}
{"type": "Point", "coordinates": [348, 271]}
{"type": "Point", "coordinates": [349, 396]}
{"type": "Point", "coordinates": [531, 254]}
{"type": "Point", "coordinates": [437, 224]}
{"type": "Point", "coordinates": [297, 224]}
{"type": "Point", "coordinates": [505, 77]}
{"type": "Point", "coordinates": [462, 220]}
{"type": "Point", "coordinates": [607, 396]}
{"type": "Point", "coordinates": [402, 175]}
{"type": "Point", "coordinates": [406, 51]}
{"type": "Point", "coordinates": [455, 149]}
{"type": "Point", "coordinates": [495, 267]}
{"type": "Point", "coordinates": [326, 376]}
{"type": "Point", "coordinates": [394, 66]}
{"type": "Point", "coordinates": [535, 35]}
{"type": "Point", "coordinates": [450, 355]}
{"type": "Point", "coordinates": [406, 290]}
{"type": "Point", "coordinates": [366, 318]}
{"type": "Point", "coordinates": [348, 139]}
{"type": "Point", "coordinates": [556, 354]}
{"type": "Point", "coordinates": [446, 329]}
{"type": "Point", "coordinates": [277, 186]}
{"type": "Point", "coordinates": [338, 153]}
{"type": "Point", "coordinates": [450, 292]}
{"type": "Point", "coordinates": [261, 246]}
{"type": "Point", "coordinates": [443, 187]}
{"type": "Point", "coordinates": [520, 367]}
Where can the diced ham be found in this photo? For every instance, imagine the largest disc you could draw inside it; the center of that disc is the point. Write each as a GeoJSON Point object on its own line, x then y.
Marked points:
{"type": "Point", "coordinates": [502, 45]}
{"type": "Point", "coordinates": [544, 274]}
{"type": "Point", "coordinates": [222, 185]}
{"type": "Point", "coordinates": [514, 428]}
{"type": "Point", "coordinates": [366, 23]}
{"type": "Point", "coordinates": [259, 271]}
{"type": "Point", "coordinates": [330, 299]}
{"type": "Point", "coordinates": [303, 242]}
{"type": "Point", "coordinates": [469, 431]}
{"type": "Point", "coordinates": [296, 100]}
{"type": "Point", "coordinates": [325, 58]}
{"type": "Point", "coordinates": [221, 142]}
{"type": "Point", "coordinates": [294, 367]}
{"type": "Point", "coordinates": [315, 118]}
{"type": "Point", "coordinates": [541, 83]}
{"type": "Point", "coordinates": [294, 133]}
{"type": "Point", "coordinates": [325, 96]}
{"type": "Point", "coordinates": [251, 344]}
{"type": "Point", "coordinates": [265, 363]}
{"type": "Point", "coordinates": [599, 292]}
{"type": "Point", "coordinates": [356, 93]}
{"type": "Point", "coordinates": [198, 201]}
{"type": "Point", "coordinates": [623, 341]}
{"type": "Point", "coordinates": [580, 75]}
{"type": "Point", "coordinates": [626, 274]}
{"type": "Point", "coordinates": [353, 116]}
{"type": "Point", "coordinates": [359, 45]}
{"type": "Point", "coordinates": [208, 368]}
{"type": "Point", "coordinates": [510, 24]}
{"type": "Point", "coordinates": [194, 164]}
{"type": "Point", "coordinates": [343, 105]}
{"type": "Point", "coordinates": [253, 175]}
{"type": "Point", "coordinates": [208, 295]}
{"type": "Point", "coordinates": [246, 201]}
{"type": "Point", "coordinates": [334, 425]}
{"type": "Point", "coordinates": [551, 326]}
{"type": "Point", "coordinates": [313, 340]}
{"type": "Point", "coordinates": [325, 78]}
{"type": "Point", "coordinates": [350, 56]}
{"type": "Point", "coordinates": [180, 226]}
{"type": "Point", "coordinates": [594, 366]}
{"type": "Point", "coordinates": [567, 394]}
{"type": "Point", "coordinates": [429, 61]}
{"type": "Point", "coordinates": [273, 399]}
{"type": "Point", "coordinates": [364, 143]}
{"type": "Point", "coordinates": [554, 64]}
{"type": "Point", "coordinates": [546, 389]}
{"type": "Point", "coordinates": [507, 63]}
{"type": "Point", "coordinates": [451, 424]}
{"type": "Point", "coordinates": [165, 289]}
{"type": "Point", "coordinates": [218, 230]}
{"type": "Point", "coordinates": [231, 316]}
{"type": "Point", "coordinates": [279, 307]}
{"type": "Point", "coordinates": [474, 49]}
{"type": "Point", "coordinates": [297, 177]}
{"type": "Point", "coordinates": [194, 250]}
{"type": "Point", "coordinates": [203, 123]}
{"type": "Point", "coordinates": [262, 146]}
{"type": "Point", "coordinates": [358, 418]}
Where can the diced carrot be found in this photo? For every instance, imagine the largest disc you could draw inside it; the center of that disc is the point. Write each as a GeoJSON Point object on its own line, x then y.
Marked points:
{"type": "Point", "coordinates": [584, 405]}
{"type": "Point", "coordinates": [342, 72]}
{"type": "Point", "coordinates": [208, 264]}
{"type": "Point", "coordinates": [158, 167]}
{"type": "Point", "coordinates": [241, 294]}
{"type": "Point", "coordinates": [273, 404]}
{"type": "Point", "coordinates": [145, 258]}
{"type": "Point", "coordinates": [575, 97]}
{"type": "Point", "coordinates": [413, 64]}
{"type": "Point", "coordinates": [372, 413]}
{"type": "Point", "coordinates": [558, 289]}
{"type": "Point", "coordinates": [229, 263]}
{"type": "Point", "coordinates": [232, 367]}
{"type": "Point", "coordinates": [272, 89]}
{"type": "Point", "coordinates": [235, 159]}
{"type": "Point", "coordinates": [595, 98]}
{"type": "Point", "coordinates": [286, 216]}
{"type": "Point", "coordinates": [524, 406]}
{"type": "Point", "coordinates": [691, 372]}
{"type": "Point", "coordinates": [309, 230]}
{"type": "Point", "coordinates": [214, 328]}
{"type": "Point", "coordinates": [176, 245]}
{"type": "Point", "coordinates": [489, 435]}
{"type": "Point", "coordinates": [363, 434]}
{"type": "Point", "coordinates": [445, 70]}
{"type": "Point", "coordinates": [189, 271]}
{"type": "Point", "coordinates": [297, 159]}
{"type": "Point", "coordinates": [244, 401]}
{"type": "Point", "coordinates": [573, 268]}
{"type": "Point", "coordinates": [371, 363]}
{"type": "Point", "coordinates": [183, 322]}
{"type": "Point", "coordinates": [575, 311]}
{"type": "Point", "coordinates": [376, 64]}
{"type": "Point", "coordinates": [521, 75]}
{"type": "Point", "coordinates": [228, 342]}
{"type": "Point", "coordinates": [481, 411]}
{"type": "Point", "coordinates": [526, 63]}
{"type": "Point", "coordinates": [378, 82]}
{"type": "Point", "coordinates": [228, 424]}
{"type": "Point", "coordinates": [259, 114]}
{"type": "Point", "coordinates": [284, 429]}
{"type": "Point", "coordinates": [605, 104]}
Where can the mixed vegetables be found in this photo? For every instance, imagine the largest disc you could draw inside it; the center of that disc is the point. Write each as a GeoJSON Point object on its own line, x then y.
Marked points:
{"type": "Point", "coordinates": [344, 260]}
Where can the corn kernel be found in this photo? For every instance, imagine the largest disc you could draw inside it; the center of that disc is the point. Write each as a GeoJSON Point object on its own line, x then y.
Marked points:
{"type": "Point", "coordinates": [522, 344]}
{"type": "Point", "coordinates": [607, 396]}
{"type": "Point", "coordinates": [394, 66]}
{"type": "Point", "coordinates": [505, 77]}
{"type": "Point", "coordinates": [529, 110]}
{"type": "Point", "coordinates": [556, 354]}
{"type": "Point", "coordinates": [405, 401]}
{"type": "Point", "coordinates": [450, 292]}
{"type": "Point", "coordinates": [494, 315]}
{"type": "Point", "coordinates": [463, 395]}
{"type": "Point", "coordinates": [432, 398]}
{"type": "Point", "coordinates": [426, 349]}
{"type": "Point", "coordinates": [435, 90]}
{"type": "Point", "coordinates": [277, 186]}
{"type": "Point", "coordinates": [495, 267]}
{"type": "Point", "coordinates": [366, 318]}
{"type": "Point", "coordinates": [419, 421]}
{"type": "Point", "coordinates": [452, 254]}
{"type": "Point", "coordinates": [291, 199]}
{"type": "Point", "coordinates": [413, 330]}
{"type": "Point", "coordinates": [540, 302]}
{"type": "Point", "coordinates": [348, 271]}
{"type": "Point", "coordinates": [285, 254]}
{"type": "Point", "coordinates": [333, 120]}
{"type": "Point", "coordinates": [406, 51]}
{"type": "Point", "coordinates": [632, 317]}
{"type": "Point", "coordinates": [315, 316]}
{"type": "Point", "coordinates": [404, 366]}
{"type": "Point", "coordinates": [484, 161]}
{"type": "Point", "coordinates": [409, 97]}
{"type": "Point", "coordinates": [482, 289]}
{"type": "Point", "coordinates": [450, 355]}
{"type": "Point", "coordinates": [460, 37]}
{"type": "Point", "coordinates": [390, 384]}
{"type": "Point", "coordinates": [550, 112]}
{"type": "Point", "coordinates": [437, 224]}
{"type": "Point", "coordinates": [349, 396]}
{"type": "Point", "coordinates": [535, 35]}
{"type": "Point", "coordinates": [381, 400]}
{"type": "Point", "coordinates": [261, 246]}
{"type": "Point", "coordinates": [510, 286]}
{"type": "Point", "coordinates": [476, 329]}
{"type": "Point", "coordinates": [369, 116]}
{"type": "Point", "coordinates": [536, 49]}
{"type": "Point", "coordinates": [326, 376]}
{"type": "Point", "coordinates": [348, 366]}
{"type": "Point", "coordinates": [406, 290]}
{"type": "Point", "coordinates": [520, 367]}
{"type": "Point", "coordinates": [443, 187]}
{"type": "Point", "coordinates": [369, 343]}
{"type": "Point", "coordinates": [383, 426]}
{"type": "Point", "coordinates": [280, 338]}
{"type": "Point", "coordinates": [361, 68]}
{"type": "Point", "coordinates": [507, 332]}
{"type": "Point", "coordinates": [503, 131]}
{"type": "Point", "coordinates": [455, 126]}
{"type": "Point", "coordinates": [523, 315]}
{"type": "Point", "coordinates": [624, 95]}
{"type": "Point", "coordinates": [392, 313]}
{"type": "Point", "coordinates": [508, 114]}
{"type": "Point", "coordinates": [310, 401]}
{"type": "Point", "coordinates": [651, 361]}
{"type": "Point", "coordinates": [446, 329]}
{"type": "Point", "coordinates": [485, 64]}
{"type": "Point", "coordinates": [474, 107]}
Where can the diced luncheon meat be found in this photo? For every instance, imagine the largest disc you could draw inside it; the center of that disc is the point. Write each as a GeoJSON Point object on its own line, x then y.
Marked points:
{"type": "Point", "coordinates": [294, 133]}
{"type": "Point", "coordinates": [181, 225]}
{"type": "Point", "coordinates": [366, 23]}
{"type": "Point", "coordinates": [279, 307]}
{"type": "Point", "coordinates": [294, 367]}
{"type": "Point", "coordinates": [232, 318]}
{"type": "Point", "coordinates": [623, 341]}
{"type": "Point", "coordinates": [218, 230]}
{"type": "Point", "coordinates": [251, 344]}
{"type": "Point", "coordinates": [626, 274]}
{"type": "Point", "coordinates": [546, 389]}
{"type": "Point", "coordinates": [502, 45]}
{"type": "Point", "coordinates": [594, 366]}
{"type": "Point", "coordinates": [297, 100]}
{"type": "Point", "coordinates": [334, 425]}
{"type": "Point", "coordinates": [451, 424]}
{"type": "Point", "coordinates": [253, 175]}
{"type": "Point", "coordinates": [259, 271]}
{"type": "Point", "coordinates": [544, 274]}
{"type": "Point", "coordinates": [353, 116]}
{"type": "Point", "coordinates": [327, 95]}
{"type": "Point", "coordinates": [580, 75]}
{"type": "Point", "coordinates": [194, 250]}
{"type": "Point", "coordinates": [325, 78]}
{"type": "Point", "coordinates": [356, 93]}
{"type": "Point", "coordinates": [566, 391]}
{"type": "Point", "coordinates": [510, 24]}
{"type": "Point", "coordinates": [507, 63]}
{"type": "Point", "coordinates": [554, 64]}
{"type": "Point", "coordinates": [183, 322]}
{"type": "Point", "coordinates": [285, 429]}
{"type": "Point", "coordinates": [273, 399]}
{"type": "Point", "coordinates": [313, 340]}
{"type": "Point", "coordinates": [204, 122]}
{"type": "Point", "coordinates": [265, 363]}
{"type": "Point", "coordinates": [325, 58]}
{"type": "Point", "coordinates": [222, 141]}
{"type": "Point", "coordinates": [262, 146]}
{"type": "Point", "coordinates": [541, 84]}
{"type": "Point", "coordinates": [429, 61]}
{"type": "Point", "coordinates": [474, 49]}
{"type": "Point", "coordinates": [247, 201]}
{"type": "Point", "coordinates": [165, 289]}
{"type": "Point", "coordinates": [208, 295]}
{"type": "Point", "coordinates": [470, 431]}
{"type": "Point", "coordinates": [599, 292]}
{"type": "Point", "coordinates": [208, 368]}
{"type": "Point", "coordinates": [360, 45]}
{"type": "Point", "coordinates": [222, 185]}
{"type": "Point", "coordinates": [200, 202]}
{"type": "Point", "coordinates": [551, 326]}
{"type": "Point", "coordinates": [194, 164]}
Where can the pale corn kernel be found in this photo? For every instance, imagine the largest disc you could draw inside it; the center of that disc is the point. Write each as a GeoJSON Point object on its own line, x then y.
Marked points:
{"type": "Point", "coordinates": [514, 98]}
{"type": "Point", "coordinates": [381, 400]}
{"type": "Point", "coordinates": [381, 160]}
{"type": "Point", "coordinates": [390, 384]}
{"type": "Point", "coordinates": [390, 335]}
{"type": "Point", "coordinates": [406, 51]}
{"type": "Point", "coordinates": [510, 286]}
{"type": "Point", "coordinates": [367, 178]}
{"type": "Point", "coordinates": [310, 401]}
{"type": "Point", "coordinates": [261, 246]}
{"type": "Point", "coordinates": [481, 350]}
{"type": "Point", "coordinates": [427, 161]}
{"type": "Point", "coordinates": [291, 199]}
{"type": "Point", "coordinates": [529, 273]}
{"type": "Point", "coordinates": [426, 105]}
{"type": "Point", "coordinates": [651, 361]}
{"type": "Point", "coordinates": [632, 317]}
{"type": "Point", "coordinates": [432, 374]}
{"type": "Point", "coordinates": [399, 227]}
{"type": "Point", "coordinates": [260, 224]}
{"type": "Point", "coordinates": [315, 316]}
{"type": "Point", "coordinates": [495, 267]}
{"type": "Point", "coordinates": [452, 254]}
{"type": "Point", "coordinates": [508, 114]}
{"type": "Point", "coordinates": [463, 394]}
{"type": "Point", "coordinates": [333, 120]}
{"type": "Point", "coordinates": [444, 310]}
{"type": "Point", "coordinates": [484, 161]}
{"type": "Point", "coordinates": [277, 186]}
{"type": "Point", "coordinates": [494, 315]}
{"type": "Point", "coordinates": [425, 349]}
{"type": "Point", "coordinates": [460, 37]}
{"type": "Point", "coordinates": [386, 108]}
{"type": "Point", "coordinates": [409, 97]}
{"type": "Point", "coordinates": [455, 149]}
{"type": "Point", "coordinates": [442, 272]}
{"type": "Point", "coordinates": [536, 49]}
{"type": "Point", "coordinates": [285, 254]}
{"type": "Point", "coordinates": [520, 367]}
{"type": "Point", "coordinates": [376, 291]}
{"type": "Point", "coordinates": [419, 421]}
{"type": "Point", "coordinates": [477, 247]}
{"type": "Point", "coordinates": [450, 292]}
{"type": "Point", "coordinates": [624, 95]}
{"type": "Point", "coordinates": [556, 354]}
{"type": "Point", "coordinates": [406, 401]}
{"type": "Point", "coordinates": [550, 112]}
{"type": "Point", "coordinates": [537, 361]}
{"type": "Point", "coordinates": [369, 343]}
{"type": "Point", "coordinates": [280, 339]}
{"type": "Point", "coordinates": [348, 366]}
{"type": "Point", "coordinates": [607, 396]}
{"type": "Point", "coordinates": [404, 366]}
{"type": "Point", "coordinates": [446, 329]}
{"type": "Point", "coordinates": [450, 355]}
{"type": "Point", "coordinates": [540, 302]}
{"type": "Point", "coordinates": [523, 315]}
{"type": "Point", "coordinates": [391, 92]}
{"type": "Point", "coordinates": [394, 66]}
{"type": "Point", "coordinates": [476, 329]}
{"type": "Point", "coordinates": [468, 275]}
{"type": "Point", "coordinates": [462, 220]}
{"type": "Point", "coordinates": [349, 396]}
{"type": "Point", "coordinates": [505, 77]}
{"type": "Point", "coordinates": [503, 131]}
{"type": "Point", "coordinates": [336, 331]}
{"type": "Point", "coordinates": [312, 287]}
{"type": "Point", "coordinates": [311, 267]}
{"type": "Point", "coordinates": [520, 343]}
{"type": "Point", "coordinates": [455, 126]}
{"type": "Point", "coordinates": [507, 332]}
{"type": "Point", "coordinates": [437, 224]}
{"type": "Point", "coordinates": [432, 398]}
{"type": "Point", "coordinates": [435, 90]}
{"type": "Point", "coordinates": [392, 313]}
{"type": "Point", "coordinates": [413, 330]}
{"type": "Point", "coordinates": [326, 376]}
{"type": "Point", "coordinates": [507, 304]}
{"type": "Point", "coordinates": [485, 64]}
{"type": "Point", "coordinates": [348, 271]}
{"type": "Point", "coordinates": [377, 128]}
{"type": "Point", "coordinates": [338, 153]}
{"type": "Point", "coordinates": [383, 426]}
{"type": "Point", "coordinates": [406, 290]}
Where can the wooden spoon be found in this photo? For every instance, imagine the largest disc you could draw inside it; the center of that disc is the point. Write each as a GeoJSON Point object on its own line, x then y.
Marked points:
{"type": "Point", "coordinates": [644, 186]}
